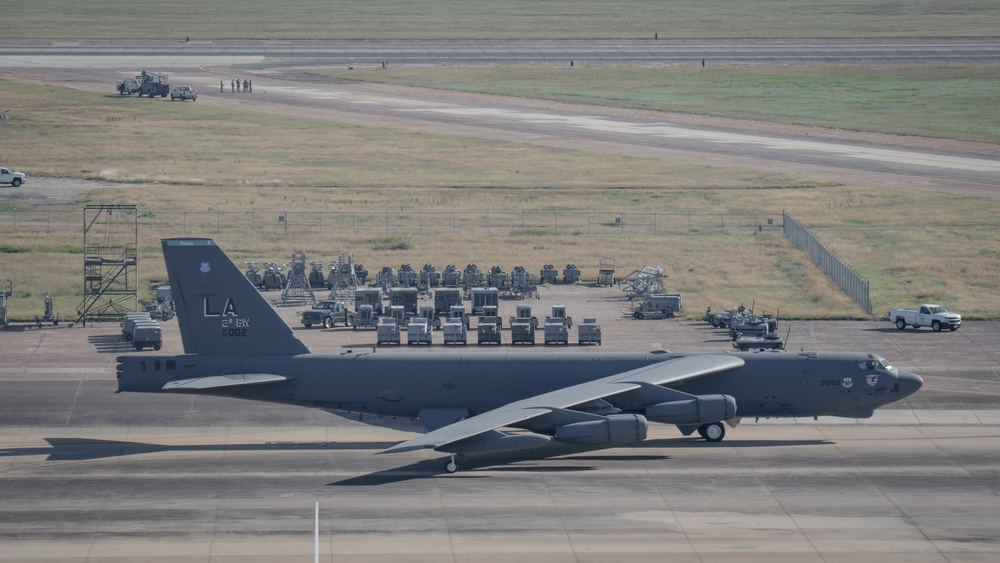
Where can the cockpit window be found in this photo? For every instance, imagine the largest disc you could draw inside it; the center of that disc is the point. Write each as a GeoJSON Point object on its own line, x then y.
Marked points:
{"type": "Point", "coordinates": [880, 364]}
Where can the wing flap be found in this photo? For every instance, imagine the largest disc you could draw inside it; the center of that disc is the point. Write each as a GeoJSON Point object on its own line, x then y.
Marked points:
{"type": "Point", "coordinates": [216, 381]}
{"type": "Point", "coordinates": [662, 373]}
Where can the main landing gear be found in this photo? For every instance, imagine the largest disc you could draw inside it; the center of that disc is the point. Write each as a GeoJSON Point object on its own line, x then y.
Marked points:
{"type": "Point", "coordinates": [451, 467]}
{"type": "Point", "coordinates": [712, 431]}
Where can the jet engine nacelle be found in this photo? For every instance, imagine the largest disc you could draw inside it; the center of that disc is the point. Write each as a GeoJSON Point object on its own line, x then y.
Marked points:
{"type": "Point", "coordinates": [497, 442]}
{"type": "Point", "coordinates": [699, 409]}
{"type": "Point", "coordinates": [613, 430]}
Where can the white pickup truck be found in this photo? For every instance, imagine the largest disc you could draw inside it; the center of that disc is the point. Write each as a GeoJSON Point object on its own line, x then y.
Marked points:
{"type": "Point", "coordinates": [934, 316]}
{"type": "Point", "coordinates": [13, 178]}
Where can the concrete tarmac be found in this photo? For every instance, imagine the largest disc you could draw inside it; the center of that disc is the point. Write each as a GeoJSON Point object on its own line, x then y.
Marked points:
{"type": "Point", "coordinates": [90, 475]}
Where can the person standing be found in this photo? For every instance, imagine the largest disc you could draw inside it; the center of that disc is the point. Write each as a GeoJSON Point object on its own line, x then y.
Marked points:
{"type": "Point", "coordinates": [222, 87]}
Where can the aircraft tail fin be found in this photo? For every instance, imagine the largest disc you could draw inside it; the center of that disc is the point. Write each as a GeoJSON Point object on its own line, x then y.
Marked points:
{"type": "Point", "coordinates": [218, 310]}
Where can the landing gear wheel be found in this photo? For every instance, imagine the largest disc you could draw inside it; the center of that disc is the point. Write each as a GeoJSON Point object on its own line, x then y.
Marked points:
{"type": "Point", "coordinates": [452, 466]}
{"type": "Point", "coordinates": [900, 324]}
{"type": "Point", "coordinates": [712, 432]}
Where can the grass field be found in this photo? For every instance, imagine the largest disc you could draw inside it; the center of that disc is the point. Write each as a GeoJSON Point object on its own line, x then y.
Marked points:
{"type": "Point", "coordinates": [953, 102]}
{"type": "Point", "coordinates": [192, 157]}
{"type": "Point", "coordinates": [498, 19]}
{"type": "Point", "coordinates": [66, 133]}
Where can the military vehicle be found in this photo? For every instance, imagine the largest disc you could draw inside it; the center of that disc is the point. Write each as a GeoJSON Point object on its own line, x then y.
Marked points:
{"type": "Point", "coordinates": [658, 305]}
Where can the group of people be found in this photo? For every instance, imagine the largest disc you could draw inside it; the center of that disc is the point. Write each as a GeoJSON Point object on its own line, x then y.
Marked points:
{"type": "Point", "coordinates": [235, 85]}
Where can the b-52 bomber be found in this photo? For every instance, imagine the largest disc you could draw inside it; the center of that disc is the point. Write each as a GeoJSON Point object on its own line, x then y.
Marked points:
{"type": "Point", "coordinates": [236, 345]}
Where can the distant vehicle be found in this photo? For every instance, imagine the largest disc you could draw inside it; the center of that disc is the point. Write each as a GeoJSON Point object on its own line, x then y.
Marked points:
{"type": "Point", "coordinates": [929, 314]}
{"type": "Point", "coordinates": [183, 93]}
{"type": "Point", "coordinates": [13, 178]}
{"type": "Point", "coordinates": [145, 84]}
{"type": "Point", "coordinates": [328, 314]}
{"type": "Point", "coordinates": [658, 305]}
{"type": "Point", "coordinates": [128, 87]}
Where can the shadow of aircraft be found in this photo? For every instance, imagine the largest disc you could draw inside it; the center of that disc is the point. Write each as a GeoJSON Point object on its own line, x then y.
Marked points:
{"type": "Point", "coordinates": [82, 449]}
{"type": "Point", "coordinates": [483, 465]}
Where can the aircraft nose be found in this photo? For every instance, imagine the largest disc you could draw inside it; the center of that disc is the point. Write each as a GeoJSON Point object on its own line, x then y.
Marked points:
{"type": "Point", "coordinates": [909, 383]}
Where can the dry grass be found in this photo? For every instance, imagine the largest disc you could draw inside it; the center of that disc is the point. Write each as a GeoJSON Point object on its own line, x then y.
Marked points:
{"type": "Point", "coordinates": [497, 19]}
{"type": "Point", "coordinates": [953, 265]}
{"type": "Point", "coordinates": [59, 132]}
{"type": "Point", "coordinates": [65, 133]}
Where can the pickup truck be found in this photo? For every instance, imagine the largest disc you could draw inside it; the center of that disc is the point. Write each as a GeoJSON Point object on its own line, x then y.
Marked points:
{"type": "Point", "coordinates": [934, 316]}
{"type": "Point", "coordinates": [328, 314]}
{"type": "Point", "coordinates": [183, 93]}
{"type": "Point", "coordinates": [13, 178]}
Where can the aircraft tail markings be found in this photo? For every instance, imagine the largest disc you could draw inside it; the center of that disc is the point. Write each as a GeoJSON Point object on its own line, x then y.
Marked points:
{"type": "Point", "coordinates": [218, 310]}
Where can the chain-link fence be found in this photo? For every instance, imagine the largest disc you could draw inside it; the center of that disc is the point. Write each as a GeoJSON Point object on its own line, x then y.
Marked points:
{"type": "Point", "coordinates": [836, 269]}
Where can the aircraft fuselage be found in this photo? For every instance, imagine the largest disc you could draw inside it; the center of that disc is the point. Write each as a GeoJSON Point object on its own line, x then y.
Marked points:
{"type": "Point", "coordinates": [769, 384]}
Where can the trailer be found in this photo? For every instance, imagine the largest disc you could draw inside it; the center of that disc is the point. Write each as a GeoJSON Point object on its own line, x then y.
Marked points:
{"type": "Point", "coordinates": [556, 333]}
{"type": "Point", "coordinates": [523, 313]}
{"type": "Point", "coordinates": [365, 317]}
{"type": "Point", "coordinates": [387, 332]}
{"type": "Point", "coordinates": [483, 297]}
{"type": "Point", "coordinates": [405, 297]}
{"type": "Point", "coordinates": [559, 316]}
{"type": "Point", "coordinates": [522, 332]}
{"type": "Point", "coordinates": [606, 272]}
{"type": "Point", "coordinates": [368, 296]}
{"type": "Point", "coordinates": [458, 312]}
{"type": "Point", "coordinates": [589, 332]}
{"type": "Point", "coordinates": [419, 332]}
{"type": "Point", "coordinates": [488, 331]}
{"type": "Point", "coordinates": [455, 332]}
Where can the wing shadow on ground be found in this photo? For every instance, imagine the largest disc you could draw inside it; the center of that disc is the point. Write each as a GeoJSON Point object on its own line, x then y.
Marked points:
{"type": "Point", "coordinates": [83, 449]}
{"type": "Point", "coordinates": [559, 458]}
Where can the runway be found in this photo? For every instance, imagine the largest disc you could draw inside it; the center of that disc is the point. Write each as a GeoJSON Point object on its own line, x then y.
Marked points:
{"type": "Point", "coordinates": [776, 493]}
{"type": "Point", "coordinates": [90, 475]}
{"type": "Point", "coordinates": [283, 85]}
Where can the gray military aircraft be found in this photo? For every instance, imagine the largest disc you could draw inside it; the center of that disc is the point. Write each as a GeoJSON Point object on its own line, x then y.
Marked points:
{"type": "Point", "coordinates": [237, 346]}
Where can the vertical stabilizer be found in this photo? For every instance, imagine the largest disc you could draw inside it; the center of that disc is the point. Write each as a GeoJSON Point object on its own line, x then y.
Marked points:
{"type": "Point", "coordinates": [219, 311]}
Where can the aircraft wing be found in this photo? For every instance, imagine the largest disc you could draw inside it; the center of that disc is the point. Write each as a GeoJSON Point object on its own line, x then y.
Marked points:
{"type": "Point", "coordinates": [662, 373]}
{"type": "Point", "coordinates": [214, 381]}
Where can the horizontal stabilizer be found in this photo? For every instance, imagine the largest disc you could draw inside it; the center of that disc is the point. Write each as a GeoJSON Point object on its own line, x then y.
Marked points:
{"type": "Point", "coordinates": [216, 381]}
